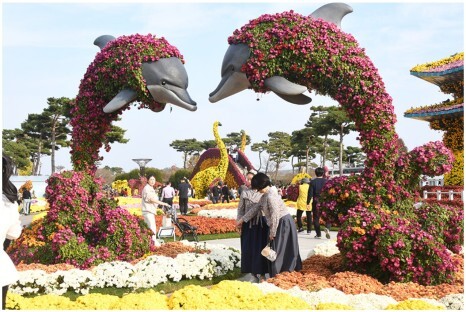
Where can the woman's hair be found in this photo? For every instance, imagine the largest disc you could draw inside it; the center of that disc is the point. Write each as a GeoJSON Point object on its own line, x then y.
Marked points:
{"type": "Point", "coordinates": [260, 181]}
{"type": "Point", "coordinates": [8, 188]}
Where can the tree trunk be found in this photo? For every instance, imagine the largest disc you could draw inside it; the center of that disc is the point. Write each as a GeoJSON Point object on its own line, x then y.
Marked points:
{"type": "Point", "coordinates": [260, 161]}
{"type": "Point", "coordinates": [325, 151]}
{"type": "Point", "coordinates": [341, 150]}
{"type": "Point", "coordinates": [307, 159]}
{"type": "Point", "coordinates": [52, 156]}
{"type": "Point", "coordinates": [37, 160]}
{"type": "Point", "coordinates": [185, 158]}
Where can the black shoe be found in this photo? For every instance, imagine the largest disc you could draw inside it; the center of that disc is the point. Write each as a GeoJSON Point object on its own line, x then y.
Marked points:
{"type": "Point", "coordinates": [300, 230]}
{"type": "Point", "coordinates": [309, 232]}
{"type": "Point", "coordinates": [317, 237]}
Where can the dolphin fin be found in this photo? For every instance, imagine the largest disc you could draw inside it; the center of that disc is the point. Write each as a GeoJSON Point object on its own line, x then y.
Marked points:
{"type": "Point", "coordinates": [123, 98]}
{"type": "Point", "coordinates": [332, 12]}
{"type": "Point", "coordinates": [299, 99]}
{"type": "Point", "coordinates": [102, 41]}
{"type": "Point", "coordinates": [283, 86]}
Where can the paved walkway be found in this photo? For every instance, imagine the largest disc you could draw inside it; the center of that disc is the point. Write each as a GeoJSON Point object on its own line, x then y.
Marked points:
{"type": "Point", "coordinates": [307, 242]}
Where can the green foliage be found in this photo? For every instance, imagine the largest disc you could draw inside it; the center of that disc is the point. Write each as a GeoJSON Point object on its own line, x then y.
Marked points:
{"type": "Point", "coordinates": [134, 174]}
{"type": "Point", "coordinates": [235, 138]}
{"type": "Point", "coordinates": [187, 147]}
{"type": "Point", "coordinates": [18, 152]}
{"type": "Point", "coordinates": [278, 148]}
{"type": "Point", "coordinates": [175, 179]}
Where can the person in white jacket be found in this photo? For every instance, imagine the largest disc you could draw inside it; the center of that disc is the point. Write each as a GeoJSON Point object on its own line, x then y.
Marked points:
{"type": "Point", "coordinates": [10, 227]}
{"type": "Point", "coordinates": [150, 201]}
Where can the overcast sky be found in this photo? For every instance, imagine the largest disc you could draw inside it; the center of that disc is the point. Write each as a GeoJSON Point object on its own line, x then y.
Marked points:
{"type": "Point", "coordinates": [47, 48]}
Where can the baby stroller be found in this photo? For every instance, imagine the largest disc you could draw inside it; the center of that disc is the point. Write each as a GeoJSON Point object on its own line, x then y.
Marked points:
{"type": "Point", "coordinates": [187, 230]}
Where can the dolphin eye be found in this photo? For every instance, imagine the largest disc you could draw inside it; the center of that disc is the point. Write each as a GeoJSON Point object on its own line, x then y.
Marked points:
{"type": "Point", "coordinates": [164, 82]}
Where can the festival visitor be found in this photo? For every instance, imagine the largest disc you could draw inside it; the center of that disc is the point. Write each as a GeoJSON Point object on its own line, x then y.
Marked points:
{"type": "Point", "coordinates": [150, 201]}
{"type": "Point", "coordinates": [254, 232]}
{"type": "Point", "coordinates": [326, 173]}
{"type": "Point", "coordinates": [168, 193]}
{"type": "Point", "coordinates": [10, 227]}
{"type": "Point", "coordinates": [225, 193]}
{"type": "Point", "coordinates": [314, 194]}
{"type": "Point", "coordinates": [301, 206]}
{"type": "Point", "coordinates": [216, 190]}
{"type": "Point", "coordinates": [247, 183]}
{"type": "Point", "coordinates": [26, 201]}
{"type": "Point", "coordinates": [282, 230]}
{"type": "Point", "coordinates": [183, 188]}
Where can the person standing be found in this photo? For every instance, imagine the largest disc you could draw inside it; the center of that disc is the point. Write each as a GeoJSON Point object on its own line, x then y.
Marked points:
{"type": "Point", "coordinates": [216, 193]}
{"type": "Point", "coordinates": [247, 183]}
{"type": "Point", "coordinates": [150, 201]}
{"type": "Point", "coordinates": [168, 193]}
{"type": "Point", "coordinates": [225, 193]}
{"type": "Point", "coordinates": [183, 189]}
{"type": "Point", "coordinates": [282, 229]}
{"type": "Point", "coordinates": [10, 227]}
{"type": "Point", "coordinates": [26, 201]}
{"type": "Point", "coordinates": [314, 194]}
{"type": "Point", "coordinates": [254, 232]}
{"type": "Point", "coordinates": [302, 206]}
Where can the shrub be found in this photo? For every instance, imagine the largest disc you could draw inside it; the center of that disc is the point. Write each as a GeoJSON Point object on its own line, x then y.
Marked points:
{"type": "Point", "coordinates": [82, 227]}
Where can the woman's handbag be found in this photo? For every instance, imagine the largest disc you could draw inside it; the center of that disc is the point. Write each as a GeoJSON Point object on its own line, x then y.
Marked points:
{"type": "Point", "coordinates": [269, 253]}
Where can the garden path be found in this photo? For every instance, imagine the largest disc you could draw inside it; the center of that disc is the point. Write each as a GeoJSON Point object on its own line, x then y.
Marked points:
{"type": "Point", "coordinates": [307, 242]}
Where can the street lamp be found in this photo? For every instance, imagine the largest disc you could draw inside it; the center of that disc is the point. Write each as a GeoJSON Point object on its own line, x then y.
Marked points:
{"type": "Point", "coordinates": [142, 164]}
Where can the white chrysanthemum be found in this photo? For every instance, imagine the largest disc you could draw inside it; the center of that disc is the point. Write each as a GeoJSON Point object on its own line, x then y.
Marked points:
{"type": "Point", "coordinates": [113, 274]}
{"type": "Point", "coordinates": [269, 288]}
{"type": "Point", "coordinates": [219, 213]}
{"type": "Point", "coordinates": [194, 265]}
{"type": "Point", "coordinates": [155, 270]}
{"type": "Point", "coordinates": [328, 295]}
{"type": "Point", "coordinates": [327, 249]}
{"type": "Point", "coordinates": [369, 301]}
{"type": "Point", "coordinates": [453, 301]}
{"type": "Point", "coordinates": [74, 279]}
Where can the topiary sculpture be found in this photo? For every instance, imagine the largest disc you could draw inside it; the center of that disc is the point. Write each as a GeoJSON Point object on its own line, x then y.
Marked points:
{"type": "Point", "coordinates": [288, 53]}
{"type": "Point", "coordinates": [83, 227]}
{"type": "Point", "coordinates": [203, 178]}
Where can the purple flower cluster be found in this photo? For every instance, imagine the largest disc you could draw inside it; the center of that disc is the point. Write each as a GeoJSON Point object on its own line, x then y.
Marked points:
{"type": "Point", "coordinates": [84, 228]}
{"type": "Point", "coordinates": [433, 158]}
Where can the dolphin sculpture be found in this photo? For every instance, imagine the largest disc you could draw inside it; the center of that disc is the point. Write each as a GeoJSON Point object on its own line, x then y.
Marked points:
{"type": "Point", "coordinates": [167, 81]}
{"type": "Point", "coordinates": [234, 80]}
{"type": "Point", "coordinates": [135, 68]}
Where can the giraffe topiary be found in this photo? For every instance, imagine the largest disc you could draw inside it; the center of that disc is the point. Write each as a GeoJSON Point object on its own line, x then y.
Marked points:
{"type": "Point", "coordinates": [202, 179]}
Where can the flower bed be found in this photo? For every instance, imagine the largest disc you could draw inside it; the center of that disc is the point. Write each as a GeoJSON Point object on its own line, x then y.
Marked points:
{"type": "Point", "coordinates": [321, 285]}
{"type": "Point", "coordinates": [149, 272]}
{"type": "Point", "coordinates": [228, 295]}
{"type": "Point", "coordinates": [320, 272]}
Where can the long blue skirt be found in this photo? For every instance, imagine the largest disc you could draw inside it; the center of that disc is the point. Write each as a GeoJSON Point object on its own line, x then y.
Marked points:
{"type": "Point", "coordinates": [253, 240]}
{"type": "Point", "coordinates": [286, 246]}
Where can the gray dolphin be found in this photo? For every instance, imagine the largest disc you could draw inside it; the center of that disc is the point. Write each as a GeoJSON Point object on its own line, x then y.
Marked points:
{"type": "Point", "coordinates": [167, 81]}
{"type": "Point", "coordinates": [234, 80]}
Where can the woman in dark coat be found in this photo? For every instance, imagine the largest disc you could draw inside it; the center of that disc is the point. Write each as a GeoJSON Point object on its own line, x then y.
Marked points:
{"type": "Point", "coordinates": [254, 233]}
{"type": "Point", "coordinates": [282, 229]}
